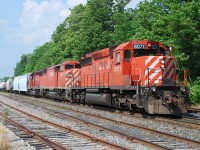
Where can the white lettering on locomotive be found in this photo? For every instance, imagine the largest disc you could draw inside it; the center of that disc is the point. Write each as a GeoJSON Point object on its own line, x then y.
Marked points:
{"type": "Point", "coordinates": [117, 68]}
{"type": "Point", "coordinates": [51, 73]}
{"type": "Point", "coordinates": [104, 65]}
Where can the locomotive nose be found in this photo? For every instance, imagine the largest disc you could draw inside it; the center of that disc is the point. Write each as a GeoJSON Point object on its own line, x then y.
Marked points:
{"type": "Point", "coordinates": [159, 70]}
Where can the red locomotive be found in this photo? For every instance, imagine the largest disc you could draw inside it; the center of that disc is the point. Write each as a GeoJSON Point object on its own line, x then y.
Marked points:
{"type": "Point", "coordinates": [133, 75]}
{"type": "Point", "coordinates": [54, 81]}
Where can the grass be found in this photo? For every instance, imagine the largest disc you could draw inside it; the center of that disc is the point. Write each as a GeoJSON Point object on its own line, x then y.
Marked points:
{"type": "Point", "coordinates": [4, 141]}
{"type": "Point", "coordinates": [6, 112]}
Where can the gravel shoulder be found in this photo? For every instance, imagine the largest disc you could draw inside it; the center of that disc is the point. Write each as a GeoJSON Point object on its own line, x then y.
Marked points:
{"type": "Point", "coordinates": [14, 142]}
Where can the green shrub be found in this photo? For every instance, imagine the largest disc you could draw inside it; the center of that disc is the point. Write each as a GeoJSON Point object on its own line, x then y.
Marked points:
{"type": "Point", "coordinates": [195, 92]}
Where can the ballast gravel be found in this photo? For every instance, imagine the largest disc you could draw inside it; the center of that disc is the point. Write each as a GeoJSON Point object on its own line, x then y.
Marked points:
{"type": "Point", "coordinates": [153, 124]}
{"type": "Point", "coordinates": [39, 112]}
{"type": "Point", "coordinates": [14, 142]}
{"type": "Point", "coordinates": [149, 123]}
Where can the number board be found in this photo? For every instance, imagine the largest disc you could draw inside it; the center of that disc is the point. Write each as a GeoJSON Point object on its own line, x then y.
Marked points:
{"type": "Point", "coordinates": [142, 46]}
{"type": "Point", "coordinates": [138, 46]}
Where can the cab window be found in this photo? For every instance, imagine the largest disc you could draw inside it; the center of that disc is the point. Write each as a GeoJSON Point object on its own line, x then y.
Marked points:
{"type": "Point", "coordinates": [77, 66]}
{"type": "Point", "coordinates": [162, 51]}
{"type": "Point", "coordinates": [62, 68]}
{"type": "Point", "coordinates": [69, 66]}
{"type": "Point", "coordinates": [118, 58]}
{"type": "Point", "coordinates": [145, 52]}
{"type": "Point", "coordinates": [139, 52]}
{"type": "Point", "coordinates": [127, 55]}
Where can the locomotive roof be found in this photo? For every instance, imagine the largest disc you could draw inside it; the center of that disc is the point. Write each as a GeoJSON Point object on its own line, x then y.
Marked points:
{"type": "Point", "coordinates": [105, 51]}
{"type": "Point", "coordinates": [51, 67]}
{"type": "Point", "coordinates": [66, 62]}
{"type": "Point", "coordinates": [123, 45]}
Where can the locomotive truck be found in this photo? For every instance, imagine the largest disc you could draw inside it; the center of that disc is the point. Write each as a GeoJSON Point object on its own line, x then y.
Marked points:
{"type": "Point", "coordinates": [139, 74]}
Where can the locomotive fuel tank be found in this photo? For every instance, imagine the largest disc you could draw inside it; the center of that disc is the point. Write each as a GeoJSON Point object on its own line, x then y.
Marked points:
{"type": "Point", "coordinates": [101, 99]}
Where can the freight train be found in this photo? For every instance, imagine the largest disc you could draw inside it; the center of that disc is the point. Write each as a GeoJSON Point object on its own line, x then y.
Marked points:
{"type": "Point", "coordinates": [136, 75]}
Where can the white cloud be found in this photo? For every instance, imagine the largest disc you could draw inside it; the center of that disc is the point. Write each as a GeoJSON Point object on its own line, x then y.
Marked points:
{"type": "Point", "coordinates": [39, 20]}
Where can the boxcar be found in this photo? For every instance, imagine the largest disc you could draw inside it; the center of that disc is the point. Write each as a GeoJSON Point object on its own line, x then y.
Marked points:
{"type": "Point", "coordinates": [9, 85]}
{"type": "Point", "coordinates": [2, 86]}
{"type": "Point", "coordinates": [20, 83]}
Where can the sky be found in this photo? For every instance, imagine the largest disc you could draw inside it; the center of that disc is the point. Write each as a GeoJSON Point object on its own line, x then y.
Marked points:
{"type": "Point", "coordinates": [26, 24]}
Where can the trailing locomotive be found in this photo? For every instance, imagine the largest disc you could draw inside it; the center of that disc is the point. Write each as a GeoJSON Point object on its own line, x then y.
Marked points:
{"type": "Point", "coordinates": [134, 75]}
{"type": "Point", "coordinates": [54, 82]}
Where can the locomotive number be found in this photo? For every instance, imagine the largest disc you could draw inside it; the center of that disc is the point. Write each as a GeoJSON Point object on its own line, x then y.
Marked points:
{"type": "Point", "coordinates": [138, 46]}
{"type": "Point", "coordinates": [117, 68]}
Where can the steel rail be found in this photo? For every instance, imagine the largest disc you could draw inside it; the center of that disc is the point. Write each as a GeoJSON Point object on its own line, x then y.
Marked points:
{"type": "Point", "coordinates": [34, 134]}
{"type": "Point", "coordinates": [129, 138]}
{"type": "Point", "coordinates": [68, 129]}
{"type": "Point", "coordinates": [193, 109]}
{"type": "Point", "coordinates": [168, 135]}
{"type": "Point", "coordinates": [184, 122]}
{"type": "Point", "coordinates": [175, 137]}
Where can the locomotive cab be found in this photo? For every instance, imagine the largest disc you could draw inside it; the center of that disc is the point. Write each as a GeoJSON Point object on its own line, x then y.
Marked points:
{"type": "Point", "coordinates": [149, 68]}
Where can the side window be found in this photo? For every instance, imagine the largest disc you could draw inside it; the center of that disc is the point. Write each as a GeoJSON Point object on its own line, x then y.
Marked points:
{"type": "Point", "coordinates": [118, 58]}
{"type": "Point", "coordinates": [62, 68]}
{"type": "Point", "coordinates": [69, 66]}
{"type": "Point", "coordinates": [127, 55]}
{"type": "Point", "coordinates": [77, 66]}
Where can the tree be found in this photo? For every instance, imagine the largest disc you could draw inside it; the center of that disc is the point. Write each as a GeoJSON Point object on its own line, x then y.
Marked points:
{"type": "Point", "coordinates": [175, 23]}
{"type": "Point", "coordinates": [21, 66]}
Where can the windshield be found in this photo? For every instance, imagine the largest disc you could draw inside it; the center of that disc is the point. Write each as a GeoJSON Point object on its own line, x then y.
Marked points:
{"type": "Point", "coordinates": [145, 52]}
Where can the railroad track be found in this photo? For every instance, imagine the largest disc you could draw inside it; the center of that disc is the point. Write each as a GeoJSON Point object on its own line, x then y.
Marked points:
{"type": "Point", "coordinates": [25, 134]}
{"type": "Point", "coordinates": [184, 121]}
{"type": "Point", "coordinates": [152, 139]}
{"type": "Point", "coordinates": [194, 110]}
{"type": "Point", "coordinates": [50, 135]}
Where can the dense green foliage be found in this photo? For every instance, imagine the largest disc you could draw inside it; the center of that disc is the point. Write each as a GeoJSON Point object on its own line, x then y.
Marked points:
{"type": "Point", "coordinates": [195, 91]}
{"type": "Point", "coordinates": [105, 23]}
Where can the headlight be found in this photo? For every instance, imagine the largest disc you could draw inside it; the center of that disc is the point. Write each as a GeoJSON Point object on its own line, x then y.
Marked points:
{"type": "Point", "coordinates": [162, 66]}
{"type": "Point", "coordinates": [153, 88]}
{"type": "Point", "coordinates": [182, 89]}
{"type": "Point", "coordinates": [162, 61]}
